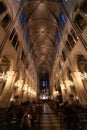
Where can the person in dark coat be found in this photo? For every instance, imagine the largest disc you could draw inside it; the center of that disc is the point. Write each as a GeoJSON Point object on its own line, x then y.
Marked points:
{"type": "Point", "coordinates": [19, 116]}
{"type": "Point", "coordinates": [25, 123]}
{"type": "Point", "coordinates": [71, 117]}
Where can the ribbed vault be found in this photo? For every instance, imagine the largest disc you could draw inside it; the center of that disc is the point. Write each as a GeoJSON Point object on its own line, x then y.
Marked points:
{"type": "Point", "coordinates": [43, 26]}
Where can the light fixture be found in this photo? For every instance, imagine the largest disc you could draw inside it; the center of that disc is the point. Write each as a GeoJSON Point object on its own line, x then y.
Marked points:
{"type": "Point", "coordinates": [69, 83]}
{"type": "Point", "coordinates": [29, 90]}
{"type": "Point", "coordinates": [16, 84]}
{"type": "Point", "coordinates": [25, 87]}
{"type": "Point", "coordinates": [77, 97]}
{"type": "Point", "coordinates": [62, 87]}
{"type": "Point", "coordinates": [3, 76]}
{"type": "Point", "coordinates": [83, 75]}
{"type": "Point", "coordinates": [11, 99]}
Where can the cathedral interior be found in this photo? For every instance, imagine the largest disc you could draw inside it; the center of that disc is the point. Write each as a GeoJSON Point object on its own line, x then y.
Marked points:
{"type": "Point", "coordinates": [43, 61]}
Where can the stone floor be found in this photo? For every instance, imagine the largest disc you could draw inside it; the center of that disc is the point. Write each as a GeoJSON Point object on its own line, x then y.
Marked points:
{"type": "Point", "coordinates": [49, 119]}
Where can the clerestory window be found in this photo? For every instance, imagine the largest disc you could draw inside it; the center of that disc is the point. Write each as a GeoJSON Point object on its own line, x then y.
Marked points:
{"type": "Point", "coordinates": [22, 19]}
{"type": "Point", "coordinates": [5, 21]}
{"type": "Point", "coordinates": [62, 20]}
{"type": "Point", "coordinates": [2, 7]}
{"type": "Point", "coordinates": [81, 22]}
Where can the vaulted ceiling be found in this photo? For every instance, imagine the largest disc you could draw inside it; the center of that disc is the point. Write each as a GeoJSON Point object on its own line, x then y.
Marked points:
{"type": "Point", "coordinates": [42, 22]}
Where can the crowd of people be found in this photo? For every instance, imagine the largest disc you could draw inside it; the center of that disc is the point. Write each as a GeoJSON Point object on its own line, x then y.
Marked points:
{"type": "Point", "coordinates": [25, 115]}
{"type": "Point", "coordinates": [69, 113]}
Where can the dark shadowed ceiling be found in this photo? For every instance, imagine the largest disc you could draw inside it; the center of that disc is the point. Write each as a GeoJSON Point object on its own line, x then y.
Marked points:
{"type": "Point", "coordinates": [41, 19]}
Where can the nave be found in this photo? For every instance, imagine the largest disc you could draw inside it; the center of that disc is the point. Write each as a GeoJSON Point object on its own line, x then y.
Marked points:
{"type": "Point", "coordinates": [49, 118]}
{"type": "Point", "coordinates": [53, 119]}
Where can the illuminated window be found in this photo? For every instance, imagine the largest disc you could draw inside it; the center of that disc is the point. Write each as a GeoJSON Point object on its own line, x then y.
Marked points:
{"type": "Point", "coordinates": [62, 20]}
{"type": "Point", "coordinates": [58, 37]}
{"type": "Point", "coordinates": [22, 19]}
{"type": "Point", "coordinates": [44, 83]}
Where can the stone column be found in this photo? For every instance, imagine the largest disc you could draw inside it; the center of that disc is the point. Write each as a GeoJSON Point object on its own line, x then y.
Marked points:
{"type": "Point", "coordinates": [81, 93]}
{"type": "Point", "coordinates": [19, 91]}
{"type": "Point", "coordinates": [25, 92]}
{"type": "Point", "coordinates": [7, 92]}
{"type": "Point", "coordinates": [29, 93]}
{"type": "Point", "coordinates": [64, 93]}
{"type": "Point", "coordinates": [67, 87]}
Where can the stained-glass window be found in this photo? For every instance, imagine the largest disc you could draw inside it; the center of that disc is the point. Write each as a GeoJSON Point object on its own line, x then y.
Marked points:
{"type": "Point", "coordinates": [58, 36]}
{"type": "Point", "coordinates": [62, 20]}
{"type": "Point", "coordinates": [44, 83]}
{"type": "Point", "coordinates": [22, 19]}
{"type": "Point", "coordinates": [65, 0]}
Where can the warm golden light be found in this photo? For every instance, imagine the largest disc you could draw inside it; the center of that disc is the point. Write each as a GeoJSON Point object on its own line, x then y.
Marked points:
{"type": "Point", "coordinates": [62, 87]}
{"type": "Point", "coordinates": [25, 87]}
{"type": "Point", "coordinates": [3, 76]}
{"type": "Point", "coordinates": [83, 75]}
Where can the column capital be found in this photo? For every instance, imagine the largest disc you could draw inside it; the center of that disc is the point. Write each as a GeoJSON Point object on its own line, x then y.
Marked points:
{"type": "Point", "coordinates": [11, 73]}
{"type": "Point", "coordinates": [76, 72]}
{"type": "Point", "coordinates": [18, 83]}
{"type": "Point", "coordinates": [62, 86]}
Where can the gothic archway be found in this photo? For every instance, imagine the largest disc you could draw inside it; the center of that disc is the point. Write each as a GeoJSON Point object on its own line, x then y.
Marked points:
{"type": "Point", "coordinates": [82, 66]}
{"type": "Point", "coordinates": [4, 67]}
